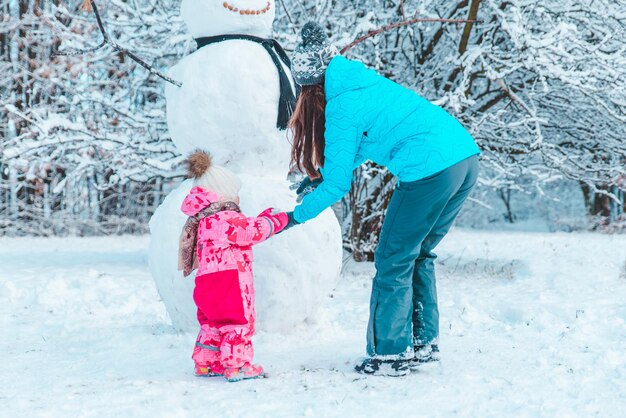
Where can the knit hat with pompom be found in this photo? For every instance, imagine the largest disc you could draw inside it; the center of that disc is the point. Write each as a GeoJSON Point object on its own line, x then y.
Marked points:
{"type": "Point", "coordinates": [212, 177]}
{"type": "Point", "coordinates": [312, 55]}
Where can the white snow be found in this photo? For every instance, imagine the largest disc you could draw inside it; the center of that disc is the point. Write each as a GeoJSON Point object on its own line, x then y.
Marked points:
{"type": "Point", "coordinates": [533, 324]}
{"type": "Point", "coordinates": [228, 105]}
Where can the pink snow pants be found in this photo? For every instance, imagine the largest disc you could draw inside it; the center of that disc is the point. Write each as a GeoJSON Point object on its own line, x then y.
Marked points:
{"type": "Point", "coordinates": [225, 302]}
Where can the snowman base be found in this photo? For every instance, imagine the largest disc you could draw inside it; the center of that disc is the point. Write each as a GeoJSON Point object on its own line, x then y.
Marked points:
{"type": "Point", "coordinates": [293, 270]}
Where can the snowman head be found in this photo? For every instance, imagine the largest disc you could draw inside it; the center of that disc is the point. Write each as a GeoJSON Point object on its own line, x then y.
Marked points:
{"type": "Point", "coordinates": [220, 17]}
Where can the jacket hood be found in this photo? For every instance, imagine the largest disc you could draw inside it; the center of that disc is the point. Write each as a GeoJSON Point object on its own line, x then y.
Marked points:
{"type": "Point", "coordinates": [198, 199]}
{"type": "Point", "coordinates": [344, 75]}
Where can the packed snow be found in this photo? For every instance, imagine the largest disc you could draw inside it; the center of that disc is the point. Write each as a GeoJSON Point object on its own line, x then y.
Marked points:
{"type": "Point", "coordinates": [533, 324]}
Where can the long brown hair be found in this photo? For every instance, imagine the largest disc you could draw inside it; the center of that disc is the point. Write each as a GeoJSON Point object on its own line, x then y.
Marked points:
{"type": "Point", "coordinates": [307, 124]}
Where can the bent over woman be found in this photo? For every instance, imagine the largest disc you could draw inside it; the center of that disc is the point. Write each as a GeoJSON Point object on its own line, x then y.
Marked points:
{"type": "Point", "coordinates": [347, 114]}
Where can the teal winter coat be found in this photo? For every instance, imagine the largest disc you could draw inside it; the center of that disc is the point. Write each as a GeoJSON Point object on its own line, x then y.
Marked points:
{"type": "Point", "coordinates": [369, 117]}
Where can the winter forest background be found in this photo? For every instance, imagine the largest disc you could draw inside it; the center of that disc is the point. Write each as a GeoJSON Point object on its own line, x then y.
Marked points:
{"type": "Point", "coordinates": [540, 84]}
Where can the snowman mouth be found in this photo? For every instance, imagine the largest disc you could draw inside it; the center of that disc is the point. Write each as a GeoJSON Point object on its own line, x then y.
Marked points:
{"type": "Point", "coordinates": [250, 12]}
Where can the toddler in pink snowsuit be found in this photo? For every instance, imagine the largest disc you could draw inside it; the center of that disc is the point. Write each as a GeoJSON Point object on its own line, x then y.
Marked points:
{"type": "Point", "coordinates": [218, 239]}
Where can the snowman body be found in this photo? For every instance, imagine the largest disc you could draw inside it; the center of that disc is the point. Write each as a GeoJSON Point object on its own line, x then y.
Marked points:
{"type": "Point", "coordinates": [228, 106]}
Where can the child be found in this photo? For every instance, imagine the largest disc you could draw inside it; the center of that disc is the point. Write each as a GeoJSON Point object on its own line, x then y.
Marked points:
{"type": "Point", "coordinates": [218, 239]}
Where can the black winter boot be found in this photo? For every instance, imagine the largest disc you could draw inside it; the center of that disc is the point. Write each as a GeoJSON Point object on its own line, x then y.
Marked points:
{"type": "Point", "coordinates": [427, 353]}
{"type": "Point", "coordinates": [377, 367]}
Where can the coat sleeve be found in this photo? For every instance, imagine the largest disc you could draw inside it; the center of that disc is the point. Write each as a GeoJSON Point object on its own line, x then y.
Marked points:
{"type": "Point", "coordinates": [232, 228]}
{"type": "Point", "coordinates": [342, 138]}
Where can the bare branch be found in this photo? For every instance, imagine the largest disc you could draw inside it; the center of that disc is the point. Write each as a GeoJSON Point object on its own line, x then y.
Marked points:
{"type": "Point", "coordinates": [107, 40]}
{"type": "Point", "coordinates": [473, 12]}
{"type": "Point", "coordinates": [399, 25]}
{"type": "Point", "coordinates": [514, 97]}
{"type": "Point", "coordinates": [286, 11]}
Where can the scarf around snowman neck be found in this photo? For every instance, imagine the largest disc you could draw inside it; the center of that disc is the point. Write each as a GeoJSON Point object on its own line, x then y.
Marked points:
{"type": "Point", "coordinates": [287, 101]}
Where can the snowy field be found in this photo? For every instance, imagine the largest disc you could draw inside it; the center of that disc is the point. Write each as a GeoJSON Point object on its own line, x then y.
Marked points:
{"type": "Point", "coordinates": [533, 325]}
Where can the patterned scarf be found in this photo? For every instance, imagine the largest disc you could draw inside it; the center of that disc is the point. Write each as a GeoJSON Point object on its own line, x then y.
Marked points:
{"type": "Point", "coordinates": [187, 260]}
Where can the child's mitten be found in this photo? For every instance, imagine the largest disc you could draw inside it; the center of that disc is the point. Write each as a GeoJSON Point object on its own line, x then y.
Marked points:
{"type": "Point", "coordinates": [291, 221]}
{"type": "Point", "coordinates": [279, 220]}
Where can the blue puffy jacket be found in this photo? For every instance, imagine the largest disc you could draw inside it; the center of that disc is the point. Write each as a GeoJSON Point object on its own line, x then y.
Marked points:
{"type": "Point", "coordinates": [369, 117]}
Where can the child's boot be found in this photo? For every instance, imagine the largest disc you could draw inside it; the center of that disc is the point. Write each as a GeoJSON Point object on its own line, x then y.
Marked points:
{"type": "Point", "coordinates": [247, 371]}
{"type": "Point", "coordinates": [206, 353]}
{"type": "Point", "coordinates": [209, 370]}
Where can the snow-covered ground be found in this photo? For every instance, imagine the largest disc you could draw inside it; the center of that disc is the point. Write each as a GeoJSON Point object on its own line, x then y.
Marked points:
{"type": "Point", "coordinates": [532, 325]}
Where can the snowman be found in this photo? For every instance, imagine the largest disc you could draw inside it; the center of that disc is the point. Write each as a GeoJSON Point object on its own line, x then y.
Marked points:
{"type": "Point", "coordinates": [236, 97]}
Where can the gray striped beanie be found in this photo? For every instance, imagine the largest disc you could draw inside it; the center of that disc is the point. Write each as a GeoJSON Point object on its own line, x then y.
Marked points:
{"type": "Point", "coordinates": [312, 55]}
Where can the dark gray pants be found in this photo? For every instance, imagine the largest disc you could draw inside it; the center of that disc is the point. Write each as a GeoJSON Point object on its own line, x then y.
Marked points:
{"type": "Point", "coordinates": [403, 307]}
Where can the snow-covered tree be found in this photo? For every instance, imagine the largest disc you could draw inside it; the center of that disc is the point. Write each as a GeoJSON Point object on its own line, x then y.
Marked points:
{"type": "Point", "coordinates": [84, 138]}
{"type": "Point", "coordinates": [540, 84]}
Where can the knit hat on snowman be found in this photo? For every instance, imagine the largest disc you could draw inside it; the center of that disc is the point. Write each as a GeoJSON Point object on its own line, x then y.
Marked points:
{"type": "Point", "coordinates": [312, 55]}
{"type": "Point", "coordinates": [212, 177]}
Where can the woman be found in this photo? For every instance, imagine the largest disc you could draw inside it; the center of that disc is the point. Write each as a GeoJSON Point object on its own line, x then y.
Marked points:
{"type": "Point", "coordinates": [347, 114]}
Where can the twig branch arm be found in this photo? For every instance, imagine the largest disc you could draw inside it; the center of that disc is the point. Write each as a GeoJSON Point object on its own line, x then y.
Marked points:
{"type": "Point", "coordinates": [107, 40]}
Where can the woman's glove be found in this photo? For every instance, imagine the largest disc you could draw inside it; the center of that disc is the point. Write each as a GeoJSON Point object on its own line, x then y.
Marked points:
{"type": "Point", "coordinates": [279, 220]}
{"type": "Point", "coordinates": [306, 186]}
{"type": "Point", "coordinates": [291, 221]}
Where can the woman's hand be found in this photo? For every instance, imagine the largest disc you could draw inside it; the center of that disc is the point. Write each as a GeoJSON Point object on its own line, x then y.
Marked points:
{"type": "Point", "coordinates": [306, 186]}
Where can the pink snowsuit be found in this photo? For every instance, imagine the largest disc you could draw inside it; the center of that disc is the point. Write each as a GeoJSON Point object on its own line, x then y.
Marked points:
{"type": "Point", "coordinates": [224, 292]}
